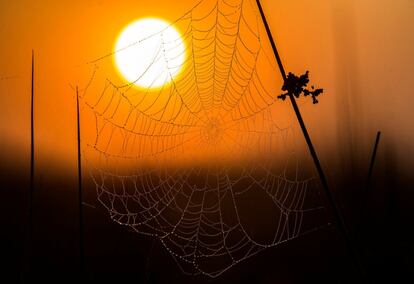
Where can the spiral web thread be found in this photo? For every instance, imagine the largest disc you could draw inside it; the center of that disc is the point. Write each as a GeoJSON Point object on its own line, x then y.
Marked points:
{"type": "Point", "coordinates": [210, 163]}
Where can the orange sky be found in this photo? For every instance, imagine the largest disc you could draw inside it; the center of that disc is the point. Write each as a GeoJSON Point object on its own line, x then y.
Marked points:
{"type": "Point", "coordinates": [359, 51]}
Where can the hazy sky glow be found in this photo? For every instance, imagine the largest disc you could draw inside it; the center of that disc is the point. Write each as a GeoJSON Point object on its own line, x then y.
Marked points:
{"type": "Point", "coordinates": [349, 43]}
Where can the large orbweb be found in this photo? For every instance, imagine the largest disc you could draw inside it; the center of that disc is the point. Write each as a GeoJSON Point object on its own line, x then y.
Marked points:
{"type": "Point", "coordinates": [211, 164]}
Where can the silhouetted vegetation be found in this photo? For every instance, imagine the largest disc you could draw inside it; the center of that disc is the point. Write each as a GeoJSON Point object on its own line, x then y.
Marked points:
{"type": "Point", "coordinates": [297, 85]}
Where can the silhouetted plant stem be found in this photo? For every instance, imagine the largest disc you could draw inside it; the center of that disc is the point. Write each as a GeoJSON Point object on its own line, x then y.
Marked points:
{"type": "Point", "coordinates": [340, 223]}
{"type": "Point", "coordinates": [27, 252]}
{"type": "Point", "coordinates": [31, 150]}
{"type": "Point", "coordinates": [373, 157]}
{"type": "Point", "coordinates": [80, 198]}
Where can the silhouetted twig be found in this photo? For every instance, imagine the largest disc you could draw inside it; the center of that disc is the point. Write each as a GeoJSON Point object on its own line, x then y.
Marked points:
{"type": "Point", "coordinates": [80, 198]}
{"type": "Point", "coordinates": [374, 154]}
{"type": "Point", "coordinates": [297, 85]}
{"type": "Point", "coordinates": [294, 86]}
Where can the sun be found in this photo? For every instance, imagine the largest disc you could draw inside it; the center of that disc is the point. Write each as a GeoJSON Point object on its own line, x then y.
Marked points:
{"type": "Point", "coordinates": [149, 53]}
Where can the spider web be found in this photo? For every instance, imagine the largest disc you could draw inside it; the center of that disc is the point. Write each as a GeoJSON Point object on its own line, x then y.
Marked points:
{"type": "Point", "coordinates": [210, 164]}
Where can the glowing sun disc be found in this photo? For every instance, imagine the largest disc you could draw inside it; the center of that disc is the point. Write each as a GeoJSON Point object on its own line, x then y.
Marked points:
{"type": "Point", "coordinates": [149, 53]}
